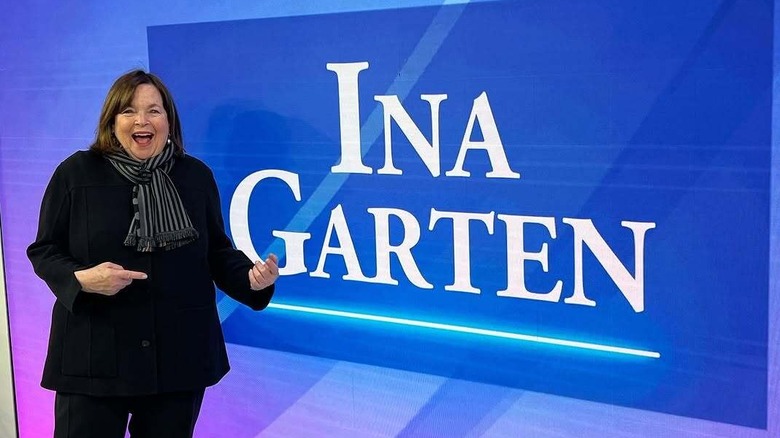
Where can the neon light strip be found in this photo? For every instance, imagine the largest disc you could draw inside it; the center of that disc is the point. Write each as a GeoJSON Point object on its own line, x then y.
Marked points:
{"type": "Point", "coordinates": [471, 330]}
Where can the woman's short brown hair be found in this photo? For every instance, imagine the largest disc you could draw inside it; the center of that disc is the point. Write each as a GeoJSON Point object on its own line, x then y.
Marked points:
{"type": "Point", "coordinates": [119, 97]}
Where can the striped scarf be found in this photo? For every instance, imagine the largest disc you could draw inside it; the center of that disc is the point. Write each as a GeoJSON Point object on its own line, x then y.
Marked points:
{"type": "Point", "coordinates": [159, 220]}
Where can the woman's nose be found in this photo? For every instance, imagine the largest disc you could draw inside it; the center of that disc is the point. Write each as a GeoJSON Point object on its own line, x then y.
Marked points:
{"type": "Point", "coordinates": [140, 119]}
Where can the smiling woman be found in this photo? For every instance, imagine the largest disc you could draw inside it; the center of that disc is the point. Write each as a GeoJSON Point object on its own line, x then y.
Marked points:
{"type": "Point", "coordinates": [142, 128]}
{"type": "Point", "coordinates": [138, 116]}
{"type": "Point", "coordinates": [135, 331]}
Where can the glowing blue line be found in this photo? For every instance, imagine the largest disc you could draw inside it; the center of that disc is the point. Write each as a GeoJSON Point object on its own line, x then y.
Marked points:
{"type": "Point", "coordinates": [470, 330]}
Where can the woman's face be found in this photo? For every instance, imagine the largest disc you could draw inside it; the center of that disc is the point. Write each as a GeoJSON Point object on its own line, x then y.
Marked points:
{"type": "Point", "coordinates": [142, 127]}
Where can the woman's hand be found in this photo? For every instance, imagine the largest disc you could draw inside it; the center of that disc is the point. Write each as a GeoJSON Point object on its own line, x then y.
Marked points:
{"type": "Point", "coordinates": [264, 274]}
{"type": "Point", "coordinates": [107, 278]}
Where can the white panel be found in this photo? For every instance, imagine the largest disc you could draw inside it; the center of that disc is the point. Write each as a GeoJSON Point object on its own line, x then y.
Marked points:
{"type": "Point", "coordinates": [7, 404]}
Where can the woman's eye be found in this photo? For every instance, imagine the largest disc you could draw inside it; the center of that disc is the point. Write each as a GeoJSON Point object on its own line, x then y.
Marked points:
{"type": "Point", "coordinates": [127, 111]}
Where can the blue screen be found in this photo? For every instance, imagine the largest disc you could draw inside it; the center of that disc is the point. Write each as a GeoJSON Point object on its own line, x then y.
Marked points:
{"type": "Point", "coordinates": [562, 197]}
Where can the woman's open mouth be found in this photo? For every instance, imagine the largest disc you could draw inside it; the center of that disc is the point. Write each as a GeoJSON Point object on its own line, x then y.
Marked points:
{"type": "Point", "coordinates": [143, 138]}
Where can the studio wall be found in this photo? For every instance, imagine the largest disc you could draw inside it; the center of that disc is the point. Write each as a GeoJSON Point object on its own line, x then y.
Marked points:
{"type": "Point", "coordinates": [495, 218]}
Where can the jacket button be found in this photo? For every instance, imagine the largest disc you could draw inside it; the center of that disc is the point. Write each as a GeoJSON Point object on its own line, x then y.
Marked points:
{"type": "Point", "coordinates": [145, 343]}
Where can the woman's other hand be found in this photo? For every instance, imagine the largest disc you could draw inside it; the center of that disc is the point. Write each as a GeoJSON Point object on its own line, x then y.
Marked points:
{"type": "Point", "coordinates": [107, 278]}
{"type": "Point", "coordinates": [264, 274]}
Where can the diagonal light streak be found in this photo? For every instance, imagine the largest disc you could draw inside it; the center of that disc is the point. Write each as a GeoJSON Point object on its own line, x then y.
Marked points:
{"type": "Point", "coordinates": [407, 77]}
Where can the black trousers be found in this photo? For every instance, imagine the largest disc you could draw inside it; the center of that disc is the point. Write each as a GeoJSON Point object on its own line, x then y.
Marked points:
{"type": "Point", "coordinates": [160, 415]}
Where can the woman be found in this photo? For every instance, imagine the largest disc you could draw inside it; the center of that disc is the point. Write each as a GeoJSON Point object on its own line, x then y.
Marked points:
{"type": "Point", "coordinates": [131, 241]}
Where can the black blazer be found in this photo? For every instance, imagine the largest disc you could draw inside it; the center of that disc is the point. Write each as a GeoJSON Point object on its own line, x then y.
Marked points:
{"type": "Point", "coordinates": [156, 335]}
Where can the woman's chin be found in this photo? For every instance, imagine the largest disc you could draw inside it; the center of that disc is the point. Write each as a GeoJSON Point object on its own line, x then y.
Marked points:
{"type": "Point", "coordinates": [142, 152]}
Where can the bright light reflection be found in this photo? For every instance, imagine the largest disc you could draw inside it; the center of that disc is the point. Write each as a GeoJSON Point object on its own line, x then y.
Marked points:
{"type": "Point", "coordinates": [472, 330]}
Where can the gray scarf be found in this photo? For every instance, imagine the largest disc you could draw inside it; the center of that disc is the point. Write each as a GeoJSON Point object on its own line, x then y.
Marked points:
{"type": "Point", "coordinates": [159, 220]}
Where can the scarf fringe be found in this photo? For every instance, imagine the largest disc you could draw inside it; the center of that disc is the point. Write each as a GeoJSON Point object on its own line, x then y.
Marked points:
{"type": "Point", "coordinates": [166, 240]}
